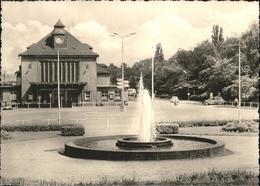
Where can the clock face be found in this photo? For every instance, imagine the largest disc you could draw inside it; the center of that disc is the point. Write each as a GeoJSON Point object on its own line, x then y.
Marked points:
{"type": "Point", "coordinates": [59, 40]}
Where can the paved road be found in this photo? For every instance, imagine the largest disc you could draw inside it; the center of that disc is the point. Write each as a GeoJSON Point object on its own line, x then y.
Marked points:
{"type": "Point", "coordinates": [164, 111]}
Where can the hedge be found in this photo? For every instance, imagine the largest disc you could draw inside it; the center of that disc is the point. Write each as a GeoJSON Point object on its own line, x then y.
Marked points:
{"type": "Point", "coordinates": [198, 123]}
{"type": "Point", "coordinates": [244, 126]}
{"type": "Point", "coordinates": [31, 128]}
{"type": "Point", "coordinates": [73, 130]}
{"type": "Point", "coordinates": [167, 128]}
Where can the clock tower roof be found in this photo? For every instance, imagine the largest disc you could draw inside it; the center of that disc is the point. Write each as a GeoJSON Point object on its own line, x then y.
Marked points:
{"type": "Point", "coordinates": [59, 28]}
{"type": "Point", "coordinates": [59, 24]}
{"type": "Point", "coordinates": [45, 47]}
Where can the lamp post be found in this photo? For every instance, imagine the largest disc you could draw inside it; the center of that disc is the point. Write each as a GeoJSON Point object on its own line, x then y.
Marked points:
{"type": "Point", "coordinates": [239, 84]}
{"type": "Point", "coordinates": [153, 78]}
{"type": "Point", "coordinates": [58, 81]}
{"type": "Point", "coordinates": [122, 40]}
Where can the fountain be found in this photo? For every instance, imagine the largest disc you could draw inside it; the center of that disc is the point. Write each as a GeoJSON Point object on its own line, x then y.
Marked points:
{"type": "Point", "coordinates": [146, 145]}
{"type": "Point", "coordinates": [146, 137]}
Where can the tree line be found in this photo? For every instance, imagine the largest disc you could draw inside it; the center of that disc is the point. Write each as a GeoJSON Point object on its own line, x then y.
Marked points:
{"type": "Point", "coordinates": [211, 66]}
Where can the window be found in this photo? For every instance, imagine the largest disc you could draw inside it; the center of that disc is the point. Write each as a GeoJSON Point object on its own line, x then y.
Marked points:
{"type": "Point", "coordinates": [68, 71]}
{"type": "Point", "coordinates": [72, 72]}
{"type": "Point", "coordinates": [104, 95]}
{"type": "Point", "coordinates": [87, 96]}
{"type": "Point", "coordinates": [51, 71]}
{"type": "Point", "coordinates": [30, 97]}
{"type": "Point", "coordinates": [77, 72]}
{"type": "Point", "coordinates": [63, 72]}
{"type": "Point", "coordinates": [55, 72]}
{"type": "Point", "coordinates": [117, 95]}
{"type": "Point", "coordinates": [42, 72]}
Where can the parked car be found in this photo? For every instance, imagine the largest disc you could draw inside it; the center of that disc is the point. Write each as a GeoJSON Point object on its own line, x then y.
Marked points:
{"type": "Point", "coordinates": [8, 107]}
{"type": "Point", "coordinates": [164, 96]}
{"type": "Point", "coordinates": [214, 101]}
{"type": "Point", "coordinates": [174, 99]}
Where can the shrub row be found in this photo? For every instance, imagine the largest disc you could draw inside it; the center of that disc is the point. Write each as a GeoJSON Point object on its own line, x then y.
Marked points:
{"type": "Point", "coordinates": [244, 126]}
{"type": "Point", "coordinates": [73, 130]}
{"type": "Point", "coordinates": [198, 123]}
{"type": "Point", "coordinates": [167, 128]}
{"type": "Point", "coordinates": [31, 128]}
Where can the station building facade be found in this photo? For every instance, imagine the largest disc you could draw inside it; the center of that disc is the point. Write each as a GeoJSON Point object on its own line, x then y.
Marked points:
{"type": "Point", "coordinates": [82, 79]}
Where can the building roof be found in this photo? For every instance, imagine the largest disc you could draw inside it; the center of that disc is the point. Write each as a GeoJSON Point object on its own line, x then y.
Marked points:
{"type": "Point", "coordinates": [59, 24]}
{"type": "Point", "coordinates": [102, 69]}
{"type": "Point", "coordinates": [45, 47]}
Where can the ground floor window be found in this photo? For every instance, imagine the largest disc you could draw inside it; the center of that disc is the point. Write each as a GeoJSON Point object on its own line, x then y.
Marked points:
{"type": "Point", "coordinates": [104, 95]}
{"type": "Point", "coordinates": [87, 96]}
{"type": "Point", "coordinates": [117, 95]}
{"type": "Point", "coordinates": [30, 97]}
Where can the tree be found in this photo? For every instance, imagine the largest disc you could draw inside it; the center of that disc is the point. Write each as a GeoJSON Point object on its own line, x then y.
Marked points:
{"type": "Point", "coordinates": [217, 35]}
{"type": "Point", "coordinates": [115, 73]}
{"type": "Point", "coordinates": [159, 56]}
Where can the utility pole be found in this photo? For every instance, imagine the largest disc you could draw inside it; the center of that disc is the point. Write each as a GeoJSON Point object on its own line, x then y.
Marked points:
{"type": "Point", "coordinates": [152, 78]}
{"type": "Point", "coordinates": [122, 58]}
{"type": "Point", "coordinates": [239, 85]}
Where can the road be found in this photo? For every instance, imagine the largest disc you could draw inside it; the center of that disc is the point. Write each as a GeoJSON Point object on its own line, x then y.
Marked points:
{"type": "Point", "coordinates": [99, 118]}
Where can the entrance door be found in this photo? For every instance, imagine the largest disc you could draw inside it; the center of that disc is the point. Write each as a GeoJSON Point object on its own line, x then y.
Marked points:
{"type": "Point", "coordinates": [72, 97]}
{"type": "Point", "coordinates": [62, 98]}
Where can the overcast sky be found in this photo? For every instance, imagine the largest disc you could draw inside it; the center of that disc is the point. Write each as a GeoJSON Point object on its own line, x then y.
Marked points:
{"type": "Point", "coordinates": [174, 24]}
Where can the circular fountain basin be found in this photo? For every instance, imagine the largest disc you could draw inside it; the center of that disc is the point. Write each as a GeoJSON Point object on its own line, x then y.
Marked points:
{"type": "Point", "coordinates": [133, 143]}
{"type": "Point", "coordinates": [106, 148]}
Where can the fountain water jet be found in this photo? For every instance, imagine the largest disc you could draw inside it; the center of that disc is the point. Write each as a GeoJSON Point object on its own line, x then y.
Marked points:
{"type": "Point", "coordinates": [146, 114]}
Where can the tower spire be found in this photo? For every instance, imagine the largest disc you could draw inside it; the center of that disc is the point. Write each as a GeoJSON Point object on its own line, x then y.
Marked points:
{"type": "Point", "coordinates": [59, 24]}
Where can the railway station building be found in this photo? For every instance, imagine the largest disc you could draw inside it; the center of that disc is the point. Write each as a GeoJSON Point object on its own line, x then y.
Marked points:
{"type": "Point", "coordinates": [82, 79]}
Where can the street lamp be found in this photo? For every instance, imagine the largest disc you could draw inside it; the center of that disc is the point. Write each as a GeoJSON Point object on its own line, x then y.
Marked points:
{"type": "Point", "coordinates": [122, 38]}
{"type": "Point", "coordinates": [58, 81]}
{"type": "Point", "coordinates": [152, 77]}
{"type": "Point", "coordinates": [239, 84]}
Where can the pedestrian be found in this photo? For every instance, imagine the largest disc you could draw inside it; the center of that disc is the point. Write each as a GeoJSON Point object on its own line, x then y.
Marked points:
{"type": "Point", "coordinates": [236, 102]}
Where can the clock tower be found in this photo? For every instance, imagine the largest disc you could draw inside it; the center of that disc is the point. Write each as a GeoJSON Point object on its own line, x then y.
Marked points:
{"type": "Point", "coordinates": [59, 36]}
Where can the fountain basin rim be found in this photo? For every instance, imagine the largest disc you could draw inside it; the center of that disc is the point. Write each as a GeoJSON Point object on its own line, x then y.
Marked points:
{"type": "Point", "coordinates": [215, 147]}
{"type": "Point", "coordinates": [133, 143]}
{"type": "Point", "coordinates": [214, 143]}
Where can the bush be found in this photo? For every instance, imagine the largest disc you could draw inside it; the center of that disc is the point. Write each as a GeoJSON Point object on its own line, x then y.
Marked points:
{"type": "Point", "coordinates": [244, 126]}
{"type": "Point", "coordinates": [5, 135]}
{"type": "Point", "coordinates": [73, 130]}
{"type": "Point", "coordinates": [167, 128]}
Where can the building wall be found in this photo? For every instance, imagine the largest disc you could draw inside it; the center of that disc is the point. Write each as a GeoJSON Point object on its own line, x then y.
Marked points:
{"type": "Point", "coordinates": [30, 73]}
{"type": "Point", "coordinates": [88, 73]}
{"type": "Point", "coordinates": [103, 80]}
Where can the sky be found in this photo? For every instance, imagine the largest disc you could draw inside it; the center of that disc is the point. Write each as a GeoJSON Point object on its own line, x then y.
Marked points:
{"type": "Point", "coordinates": [176, 25]}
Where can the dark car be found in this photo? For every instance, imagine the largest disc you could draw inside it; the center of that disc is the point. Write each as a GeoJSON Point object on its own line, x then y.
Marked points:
{"type": "Point", "coordinates": [214, 101]}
